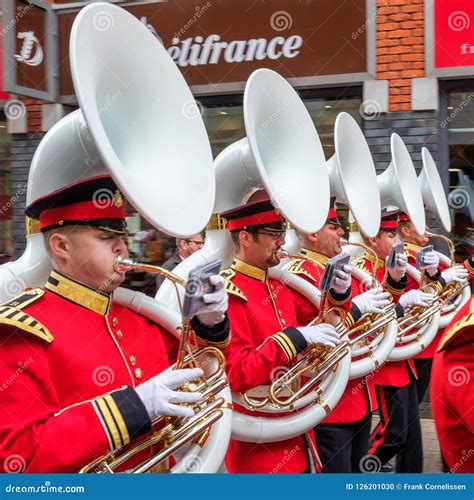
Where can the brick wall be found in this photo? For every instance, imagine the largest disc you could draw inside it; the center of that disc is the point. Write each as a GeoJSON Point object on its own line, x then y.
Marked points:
{"type": "Point", "coordinates": [34, 113]}
{"type": "Point", "coordinates": [400, 48]}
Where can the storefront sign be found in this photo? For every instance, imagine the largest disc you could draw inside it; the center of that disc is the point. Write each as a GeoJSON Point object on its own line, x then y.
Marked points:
{"type": "Point", "coordinates": [453, 33]}
{"type": "Point", "coordinates": [219, 43]}
{"type": "Point", "coordinates": [24, 39]}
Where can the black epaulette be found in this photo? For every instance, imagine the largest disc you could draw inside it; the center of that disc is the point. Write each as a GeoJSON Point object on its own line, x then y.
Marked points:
{"type": "Point", "coordinates": [296, 267]}
{"type": "Point", "coordinates": [11, 314]}
{"type": "Point", "coordinates": [228, 274]}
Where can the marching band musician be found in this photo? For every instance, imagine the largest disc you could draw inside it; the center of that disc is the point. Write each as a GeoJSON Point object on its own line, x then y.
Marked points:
{"type": "Point", "coordinates": [342, 438]}
{"type": "Point", "coordinates": [452, 395]}
{"type": "Point", "coordinates": [395, 381]}
{"type": "Point", "coordinates": [434, 272]}
{"type": "Point", "coordinates": [265, 333]}
{"type": "Point", "coordinates": [84, 371]}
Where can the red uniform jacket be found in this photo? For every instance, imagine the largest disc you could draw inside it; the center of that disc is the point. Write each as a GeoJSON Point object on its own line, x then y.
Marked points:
{"type": "Point", "coordinates": [70, 359]}
{"type": "Point", "coordinates": [395, 373]}
{"type": "Point", "coordinates": [355, 401]}
{"type": "Point", "coordinates": [452, 391]}
{"type": "Point", "coordinates": [263, 317]}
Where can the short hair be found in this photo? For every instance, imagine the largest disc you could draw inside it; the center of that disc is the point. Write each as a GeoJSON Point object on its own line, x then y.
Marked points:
{"type": "Point", "coordinates": [57, 230]}
{"type": "Point", "coordinates": [253, 230]}
{"type": "Point", "coordinates": [401, 225]}
{"type": "Point", "coordinates": [202, 233]}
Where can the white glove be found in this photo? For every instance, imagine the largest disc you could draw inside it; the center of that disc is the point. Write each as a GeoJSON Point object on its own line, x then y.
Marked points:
{"type": "Point", "coordinates": [342, 281]}
{"type": "Point", "coordinates": [372, 301]}
{"type": "Point", "coordinates": [158, 394]}
{"type": "Point", "coordinates": [430, 263]}
{"type": "Point", "coordinates": [456, 273]}
{"type": "Point", "coordinates": [212, 313]}
{"type": "Point", "coordinates": [400, 268]}
{"type": "Point", "coordinates": [323, 334]}
{"type": "Point", "coordinates": [415, 298]}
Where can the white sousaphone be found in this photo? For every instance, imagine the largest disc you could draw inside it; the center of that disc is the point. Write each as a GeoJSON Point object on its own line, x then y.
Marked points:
{"type": "Point", "coordinates": [282, 154]}
{"type": "Point", "coordinates": [435, 201]}
{"type": "Point", "coordinates": [398, 187]}
{"type": "Point", "coordinates": [133, 125]}
{"type": "Point", "coordinates": [353, 182]}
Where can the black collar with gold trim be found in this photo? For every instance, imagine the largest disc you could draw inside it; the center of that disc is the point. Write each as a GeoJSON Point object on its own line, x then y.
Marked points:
{"type": "Point", "coordinates": [380, 262]}
{"type": "Point", "coordinates": [78, 293]}
{"type": "Point", "coordinates": [317, 257]}
{"type": "Point", "coordinates": [249, 270]}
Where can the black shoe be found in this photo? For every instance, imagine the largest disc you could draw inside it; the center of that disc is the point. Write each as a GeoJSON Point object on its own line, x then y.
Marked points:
{"type": "Point", "coordinates": [386, 468]}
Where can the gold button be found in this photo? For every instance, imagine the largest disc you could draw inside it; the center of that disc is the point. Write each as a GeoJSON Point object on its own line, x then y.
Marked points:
{"type": "Point", "coordinates": [283, 322]}
{"type": "Point", "coordinates": [271, 287]}
{"type": "Point", "coordinates": [279, 312]}
{"type": "Point", "coordinates": [119, 335]}
{"type": "Point", "coordinates": [114, 321]}
{"type": "Point", "coordinates": [138, 373]}
{"type": "Point", "coordinates": [133, 360]}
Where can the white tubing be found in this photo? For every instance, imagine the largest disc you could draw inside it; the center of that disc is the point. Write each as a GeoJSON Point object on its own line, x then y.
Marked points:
{"type": "Point", "coordinates": [209, 457]}
{"type": "Point", "coordinates": [254, 429]}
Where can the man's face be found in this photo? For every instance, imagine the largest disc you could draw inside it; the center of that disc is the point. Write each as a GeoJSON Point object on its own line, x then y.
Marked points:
{"type": "Point", "coordinates": [383, 242]}
{"type": "Point", "coordinates": [410, 235]}
{"type": "Point", "coordinates": [327, 240]}
{"type": "Point", "coordinates": [261, 249]}
{"type": "Point", "coordinates": [88, 255]}
{"type": "Point", "coordinates": [191, 245]}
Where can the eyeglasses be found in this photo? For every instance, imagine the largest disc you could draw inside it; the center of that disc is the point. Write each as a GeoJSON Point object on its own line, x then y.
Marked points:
{"type": "Point", "coordinates": [198, 243]}
{"type": "Point", "coordinates": [274, 235]}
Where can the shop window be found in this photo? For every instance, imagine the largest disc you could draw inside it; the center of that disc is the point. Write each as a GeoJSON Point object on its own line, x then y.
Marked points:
{"type": "Point", "coordinates": [460, 126]}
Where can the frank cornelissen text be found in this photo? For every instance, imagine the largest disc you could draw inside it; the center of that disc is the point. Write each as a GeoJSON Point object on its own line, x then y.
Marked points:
{"type": "Point", "coordinates": [405, 486]}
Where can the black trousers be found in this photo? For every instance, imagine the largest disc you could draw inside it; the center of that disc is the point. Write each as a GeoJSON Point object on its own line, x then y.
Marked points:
{"type": "Point", "coordinates": [399, 431]}
{"type": "Point", "coordinates": [423, 367]}
{"type": "Point", "coordinates": [341, 447]}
